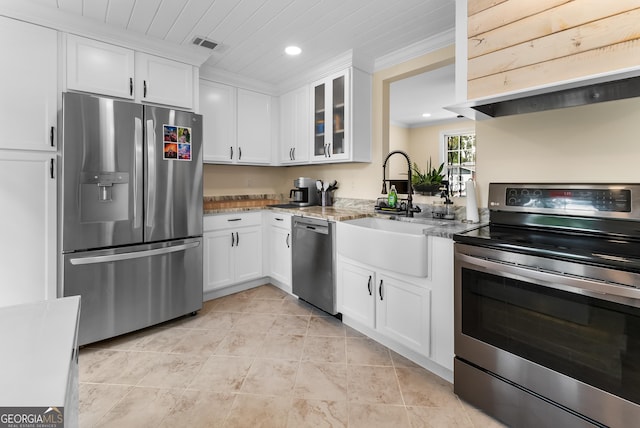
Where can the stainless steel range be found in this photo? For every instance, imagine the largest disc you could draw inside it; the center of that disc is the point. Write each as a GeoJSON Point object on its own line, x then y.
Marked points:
{"type": "Point", "coordinates": [547, 302]}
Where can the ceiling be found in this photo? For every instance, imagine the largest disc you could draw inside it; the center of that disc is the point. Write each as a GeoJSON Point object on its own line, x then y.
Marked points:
{"type": "Point", "coordinates": [252, 34]}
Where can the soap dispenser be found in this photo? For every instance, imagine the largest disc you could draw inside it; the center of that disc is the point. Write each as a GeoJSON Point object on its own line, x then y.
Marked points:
{"type": "Point", "coordinates": [393, 197]}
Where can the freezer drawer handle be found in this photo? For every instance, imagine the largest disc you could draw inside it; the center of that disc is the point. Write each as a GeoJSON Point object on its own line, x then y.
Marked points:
{"type": "Point", "coordinates": [133, 255]}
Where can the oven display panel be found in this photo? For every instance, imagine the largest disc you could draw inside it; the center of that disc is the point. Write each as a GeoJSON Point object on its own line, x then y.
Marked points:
{"type": "Point", "coordinates": [609, 200]}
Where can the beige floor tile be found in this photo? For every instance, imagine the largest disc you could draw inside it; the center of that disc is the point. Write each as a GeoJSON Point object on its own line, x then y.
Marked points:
{"type": "Point", "coordinates": [325, 349]}
{"type": "Point", "coordinates": [373, 384]}
{"type": "Point", "coordinates": [437, 417]}
{"type": "Point", "coordinates": [290, 324]}
{"type": "Point", "coordinates": [421, 388]}
{"type": "Point", "coordinates": [326, 326]}
{"type": "Point", "coordinates": [258, 411]}
{"type": "Point", "coordinates": [317, 414]}
{"type": "Point", "coordinates": [264, 306]}
{"type": "Point", "coordinates": [268, 292]}
{"type": "Point", "coordinates": [97, 399]}
{"type": "Point", "coordinates": [241, 343]}
{"type": "Point", "coordinates": [119, 367]}
{"type": "Point", "coordinates": [219, 321]}
{"type": "Point", "coordinates": [172, 370]}
{"type": "Point", "coordinates": [365, 351]}
{"type": "Point", "coordinates": [199, 342]}
{"type": "Point", "coordinates": [270, 377]}
{"type": "Point", "coordinates": [141, 407]}
{"type": "Point", "coordinates": [400, 361]}
{"type": "Point", "coordinates": [351, 332]}
{"type": "Point", "coordinates": [282, 346]}
{"type": "Point", "coordinates": [222, 374]}
{"type": "Point", "coordinates": [321, 381]}
{"type": "Point", "coordinates": [253, 322]}
{"type": "Point", "coordinates": [377, 415]}
{"type": "Point", "coordinates": [293, 306]}
{"type": "Point", "coordinates": [199, 409]}
{"type": "Point", "coordinates": [232, 303]}
{"type": "Point", "coordinates": [161, 339]}
{"type": "Point", "coordinates": [125, 342]}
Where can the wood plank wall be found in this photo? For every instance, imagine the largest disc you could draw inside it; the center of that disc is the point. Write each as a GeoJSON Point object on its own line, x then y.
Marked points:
{"type": "Point", "coordinates": [518, 44]}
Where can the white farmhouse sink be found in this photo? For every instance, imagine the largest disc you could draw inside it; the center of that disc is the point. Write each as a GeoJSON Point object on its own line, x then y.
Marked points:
{"type": "Point", "coordinates": [387, 244]}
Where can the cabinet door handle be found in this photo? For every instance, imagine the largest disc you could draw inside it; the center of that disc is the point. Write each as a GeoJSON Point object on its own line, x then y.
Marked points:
{"type": "Point", "coordinates": [287, 241]}
{"type": "Point", "coordinates": [237, 239]}
{"type": "Point", "coordinates": [51, 135]}
{"type": "Point", "coordinates": [290, 154]}
{"type": "Point", "coordinates": [130, 85]}
{"type": "Point", "coordinates": [325, 150]}
{"type": "Point", "coordinates": [369, 285]}
{"type": "Point", "coordinates": [239, 153]}
{"type": "Point", "coordinates": [328, 150]}
{"type": "Point", "coordinates": [233, 240]}
{"type": "Point", "coordinates": [144, 89]}
{"type": "Point", "coordinates": [51, 170]}
{"type": "Point", "coordinates": [380, 291]}
{"type": "Point", "coordinates": [231, 157]}
{"type": "Point", "coordinates": [294, 153]}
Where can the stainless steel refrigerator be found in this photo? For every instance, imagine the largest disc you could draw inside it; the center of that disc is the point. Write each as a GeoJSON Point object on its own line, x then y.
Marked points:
{"type": "Point", "coordinates": [130, 214]}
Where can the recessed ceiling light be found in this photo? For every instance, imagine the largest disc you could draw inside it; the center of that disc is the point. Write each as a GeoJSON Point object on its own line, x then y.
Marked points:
{"type": "Point", "coordinates": [426, 114]}
{"type": "Point", "coordinates": [292, 50]}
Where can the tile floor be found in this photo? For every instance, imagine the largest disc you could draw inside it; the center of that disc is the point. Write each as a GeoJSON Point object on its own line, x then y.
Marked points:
{"type": "Point", "coordinates": [261, 358]}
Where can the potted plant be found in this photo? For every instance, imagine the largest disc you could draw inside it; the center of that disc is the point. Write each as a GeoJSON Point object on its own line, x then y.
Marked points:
{"type": "Point", "coordinates": [429, 181]}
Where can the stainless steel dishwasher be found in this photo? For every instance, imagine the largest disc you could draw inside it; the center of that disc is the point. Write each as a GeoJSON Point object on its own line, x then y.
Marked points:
{"type": "Point", "coordinates": [313, 248]}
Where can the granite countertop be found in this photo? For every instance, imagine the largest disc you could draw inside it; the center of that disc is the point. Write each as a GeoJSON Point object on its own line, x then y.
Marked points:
{"type": "Point", "coordinates": [443, 228]}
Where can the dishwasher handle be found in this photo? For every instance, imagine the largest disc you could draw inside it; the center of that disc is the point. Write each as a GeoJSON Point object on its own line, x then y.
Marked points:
{"type": "Point", "coordinates": [311, 225]}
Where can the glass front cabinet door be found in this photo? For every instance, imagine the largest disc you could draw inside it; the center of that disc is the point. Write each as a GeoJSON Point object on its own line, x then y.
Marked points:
{"type": "Point", "coordinates": [331, 118]}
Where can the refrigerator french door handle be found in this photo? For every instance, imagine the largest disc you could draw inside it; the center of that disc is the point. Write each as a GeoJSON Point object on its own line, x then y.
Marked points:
{"type": "Point", "coordinates": [151, 172]}
{"type": "Point", "coordinates": [133, 255]}
{"type": "Point", "coordinates": [137, 174]}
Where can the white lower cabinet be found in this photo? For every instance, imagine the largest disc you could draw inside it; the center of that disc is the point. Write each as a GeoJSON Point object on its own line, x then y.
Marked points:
{"type": "Point", "coordinates": [279, 248]}
{"type": "Point", "coordinates": [402, 312]}
{"type": "Point", "coordinates": [232, 249]}
{"type": "Point", "coordinates": [415, 313]}
{"type": "Point", "coordinates": [28, 214]}
{"type": "Point", "coordinates": [393, 307]}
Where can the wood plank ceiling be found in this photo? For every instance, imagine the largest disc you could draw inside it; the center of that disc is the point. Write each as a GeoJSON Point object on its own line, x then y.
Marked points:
{"type": "Point", "coordinates": [252, 34]}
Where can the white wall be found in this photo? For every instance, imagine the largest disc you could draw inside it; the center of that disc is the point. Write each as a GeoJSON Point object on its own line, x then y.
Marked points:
{"type": "Point", "coordinates": [595, 143]}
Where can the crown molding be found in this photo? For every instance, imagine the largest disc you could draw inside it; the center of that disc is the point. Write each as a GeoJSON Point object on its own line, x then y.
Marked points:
{"type": "Point", "coordinates": [423, 47]}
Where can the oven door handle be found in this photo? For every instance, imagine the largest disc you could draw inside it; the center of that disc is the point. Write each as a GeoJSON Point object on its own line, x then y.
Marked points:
{"type": "Point", "coordinates": [570, 283]}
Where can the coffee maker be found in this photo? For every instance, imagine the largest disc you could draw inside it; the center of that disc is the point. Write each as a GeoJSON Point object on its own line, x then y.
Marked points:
{"type": "Point", "coordinates": [305, 192]}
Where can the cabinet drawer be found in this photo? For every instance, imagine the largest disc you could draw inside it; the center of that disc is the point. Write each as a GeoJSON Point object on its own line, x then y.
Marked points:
{"type": "Point", "coordinates": [233, 220]}
{"type": "Point", "coordinates": [280, 220]}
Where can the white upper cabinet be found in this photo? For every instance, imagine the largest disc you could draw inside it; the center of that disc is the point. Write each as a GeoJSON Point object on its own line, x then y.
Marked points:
{"type": "Point", "coordinates": [341, 111]}
{"type": "Point", "coordinates": [106, 69]}
{"type": "Point", "coordinates": [163, 81]}
{"type": "Point", "coordinates": [237, 124]}
{"type": "Point", "coordinates": [218, 108]}
{"type": "Point", "coordinates": [28, 83]}
{"type": "Point", "coordinates": [100, 68]}
{"type": "Point", "coordinates": [294, 127]}
{"type": "Point", "coordinates": [254, 127]}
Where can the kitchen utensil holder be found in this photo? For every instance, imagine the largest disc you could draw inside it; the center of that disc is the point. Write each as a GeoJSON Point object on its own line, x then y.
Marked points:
{"type": "Point", "coordinates": [326, 198]}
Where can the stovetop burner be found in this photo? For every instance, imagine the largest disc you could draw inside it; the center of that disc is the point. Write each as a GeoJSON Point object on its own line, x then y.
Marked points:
{"type": "Point", "coordinates": [595, 224]}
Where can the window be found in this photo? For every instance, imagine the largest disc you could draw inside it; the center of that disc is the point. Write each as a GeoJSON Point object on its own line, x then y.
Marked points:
{"type": "Point", "coordinates": [459, 148]}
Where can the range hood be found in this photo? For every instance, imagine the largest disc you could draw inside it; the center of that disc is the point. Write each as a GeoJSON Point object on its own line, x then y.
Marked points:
{"type": "Point", "coordinates": [575, 93]}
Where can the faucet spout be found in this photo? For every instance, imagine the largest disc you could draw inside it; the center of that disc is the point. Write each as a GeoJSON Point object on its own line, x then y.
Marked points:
{"type": "Point", "coordinates": [410, 209]}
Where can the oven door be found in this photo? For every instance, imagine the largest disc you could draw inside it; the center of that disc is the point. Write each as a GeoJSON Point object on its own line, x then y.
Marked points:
{"type": "Point", "coordinates": [558, 337]}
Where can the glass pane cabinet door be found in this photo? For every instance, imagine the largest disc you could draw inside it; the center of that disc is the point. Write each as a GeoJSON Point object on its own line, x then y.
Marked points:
{"type": "Point", "coordinates": [338, 146]}
{"type": "Point", "coordinates": [319, 145]}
